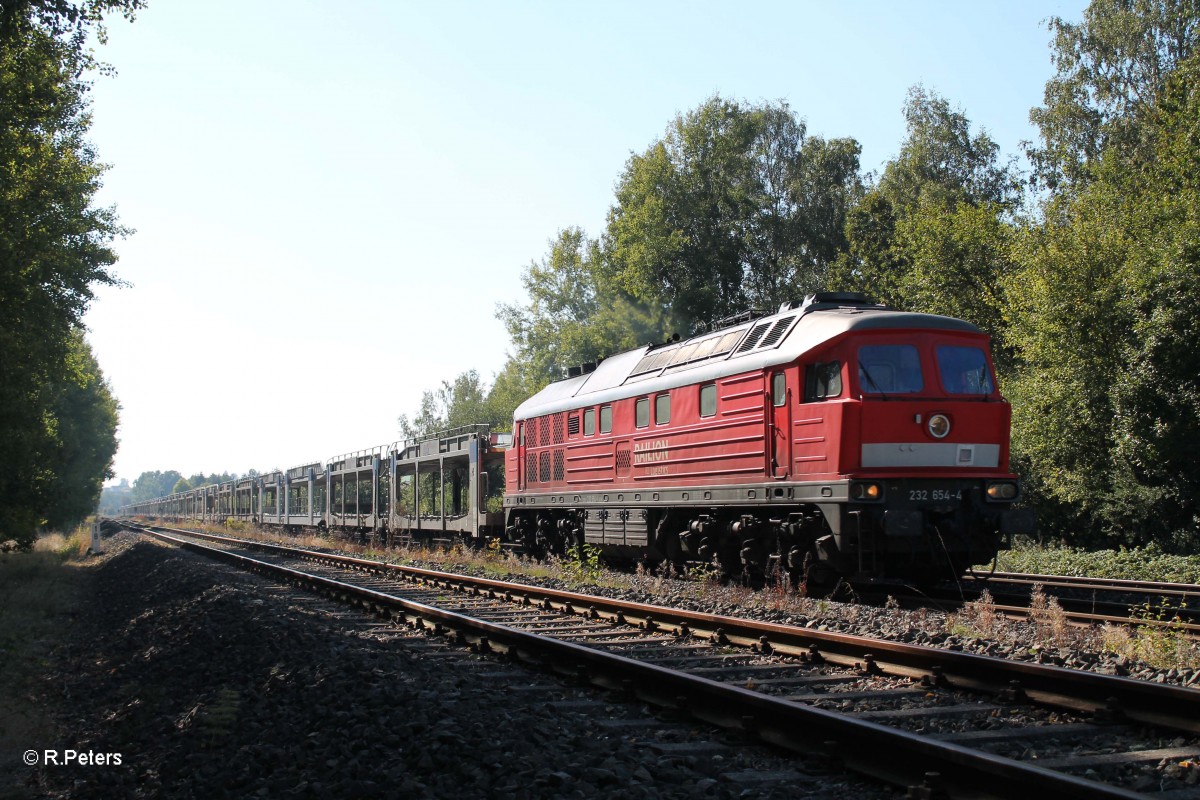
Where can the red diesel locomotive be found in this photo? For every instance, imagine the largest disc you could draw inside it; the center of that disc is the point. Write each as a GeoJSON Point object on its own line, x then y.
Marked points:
{"type": "Point", "coordinates": [837, 438]}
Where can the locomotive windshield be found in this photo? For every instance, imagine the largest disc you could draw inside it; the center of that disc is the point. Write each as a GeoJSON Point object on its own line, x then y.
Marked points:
{"type": "Point", "coordinates": [887, 369]}
{"type": "Point", "coordinates": [964, 370]}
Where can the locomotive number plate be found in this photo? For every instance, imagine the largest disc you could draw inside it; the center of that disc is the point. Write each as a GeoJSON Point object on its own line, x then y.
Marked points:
{"type": "Point", "coordinates": [934, 495]}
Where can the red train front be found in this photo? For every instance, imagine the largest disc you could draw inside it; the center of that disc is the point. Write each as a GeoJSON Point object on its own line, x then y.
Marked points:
{"type": "Point", "coordinates": [836, 438]}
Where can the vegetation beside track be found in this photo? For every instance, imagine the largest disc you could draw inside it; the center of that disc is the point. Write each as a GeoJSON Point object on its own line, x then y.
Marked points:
{"type": "Point", "coordinates": [1155, 635]}
{"type": "Point", "coordinates": [35, 588]}
{"type": "Point", "coordinates": [39, 592]}
{"type": "Point", "coordinates": [1146, 638]}
{"type": "Point", "coordinates": [1137, 564]}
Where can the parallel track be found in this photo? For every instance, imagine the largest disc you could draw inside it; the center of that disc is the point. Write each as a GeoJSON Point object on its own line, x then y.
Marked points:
{"type": "Point", "coordinates": [1085, 600]}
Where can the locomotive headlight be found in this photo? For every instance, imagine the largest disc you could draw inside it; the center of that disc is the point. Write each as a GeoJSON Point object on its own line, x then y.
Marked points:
{"type": "Point", "coordinates": [866, 491]}
{"type": "Point", "coordinates": [939, 426]}
{"type": "Point", "coordinates": [1002, 490]}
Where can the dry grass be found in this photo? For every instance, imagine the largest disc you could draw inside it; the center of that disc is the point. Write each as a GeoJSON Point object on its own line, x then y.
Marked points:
{"type": "Point", "coordinates": [1157, 636]}
{"type": "Point", "coordinates": [978, 619]}
{"type": "Point", "coordinates": [1050, 623]}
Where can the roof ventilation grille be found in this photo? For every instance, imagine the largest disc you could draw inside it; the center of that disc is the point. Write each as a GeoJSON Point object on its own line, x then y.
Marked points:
{"type": "Point", "coordinates": [777, 331]}
{"type": "Point", "coordinates": [751, 340]}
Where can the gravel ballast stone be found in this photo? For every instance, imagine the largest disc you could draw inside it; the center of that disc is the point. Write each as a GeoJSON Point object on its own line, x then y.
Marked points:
{"type": "Point", "coordinates": [213, 683]}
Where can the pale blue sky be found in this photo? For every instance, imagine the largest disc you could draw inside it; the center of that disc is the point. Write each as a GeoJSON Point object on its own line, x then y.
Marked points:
{"type": "Point", "coordinates": [331, 199]}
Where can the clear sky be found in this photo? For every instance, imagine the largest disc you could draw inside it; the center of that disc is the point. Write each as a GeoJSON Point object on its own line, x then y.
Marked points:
{"type": "Point", "coordinates": [330, 199]}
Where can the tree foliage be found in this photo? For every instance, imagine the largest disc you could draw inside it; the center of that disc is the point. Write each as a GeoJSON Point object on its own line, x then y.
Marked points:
{"type": "Point", "coordinates": [1105, 315]}
{"type": "Point", "coordinates": [577, 313]}
{"type": "Point", "coordinates": [735, 207]}
{"type": "Point", "coordinates": [1110, 70]}
{"type": "Point", "coordinates": [83, 427]}
{"type": "Point", "coordinates": [152, 484]}
{"type": "Point", "coordinates": [465, 401]}
{"type": "Point", "coordinates": [55, 247]}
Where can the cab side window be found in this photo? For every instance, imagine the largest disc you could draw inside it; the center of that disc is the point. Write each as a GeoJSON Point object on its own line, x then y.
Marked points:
{"type": "Point", "coordinates": [779, 389]}
{"type": "Point", "coordinates": [822, 381]}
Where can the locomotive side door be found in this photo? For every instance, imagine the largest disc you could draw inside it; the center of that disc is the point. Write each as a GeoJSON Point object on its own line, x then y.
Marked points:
{"type": "Point", "coordinates": [781, 424]}
{"type": "Point", "coordinates": [520, 437]}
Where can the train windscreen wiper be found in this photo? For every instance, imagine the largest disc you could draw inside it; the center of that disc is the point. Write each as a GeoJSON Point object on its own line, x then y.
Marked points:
{"type": "Point", "coordinates": [863, 369]}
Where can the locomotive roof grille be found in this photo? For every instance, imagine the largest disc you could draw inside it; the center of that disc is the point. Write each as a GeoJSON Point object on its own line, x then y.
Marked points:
{"type": "Point", "coordinates": [750, 341]}
{"type": "Point", "coordinates": [777, 332]}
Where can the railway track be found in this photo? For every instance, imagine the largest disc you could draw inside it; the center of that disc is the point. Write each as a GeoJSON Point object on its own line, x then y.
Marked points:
{"type": "Point", "coordinates": [934, 721]}
{"type": "Point", "coordinates": [1184, 591]}
{"type": "Point", "coordinates": [1091, 601]}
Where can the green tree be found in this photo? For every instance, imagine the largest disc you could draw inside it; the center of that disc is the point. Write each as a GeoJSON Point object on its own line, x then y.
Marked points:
{"type": "Point", "coordinates": [1108, 404]}
{"type": "Point", "coordinates": [509, 390]}
{"type": "Point", "coordinates": [1111, 68]}
{"type": "Point", "coordinates": [465, 401]}
{"type": "Point", "coordinates": [577, 313]}
{"type": "Point", "coordinates": [54, 248]}
{"type": "Point", "coordinates": [83, 427]}
{"type": "Point", "coordinates": [941, 160]}
{"type": "Point", "coordinates": [154, 484]}
{"type": "Point", "coordinates": [736, 206]}
{"type": "Point", "coordinates": [1069, 322]}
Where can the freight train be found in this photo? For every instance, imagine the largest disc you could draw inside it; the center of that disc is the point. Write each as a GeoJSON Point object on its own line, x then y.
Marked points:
{"type": "Point", "coordinates": [835, 437]}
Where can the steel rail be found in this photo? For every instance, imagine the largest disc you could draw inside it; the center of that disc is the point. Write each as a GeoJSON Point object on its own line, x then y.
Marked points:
{"type": "Point", "coordinates": [1084, 618]}
{"type": "Point", "coordinates": [865, 746]}
{"type": "Point", "coordinates": [1108, 696]}
{"type": "Point", "coordinates": [1164, 588]}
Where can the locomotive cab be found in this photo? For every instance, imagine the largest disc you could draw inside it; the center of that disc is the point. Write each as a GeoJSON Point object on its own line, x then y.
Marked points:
{"type": "Point", "coordinates": [925, 449]}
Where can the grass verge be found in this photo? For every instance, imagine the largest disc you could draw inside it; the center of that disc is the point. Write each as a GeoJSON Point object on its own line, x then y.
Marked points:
{"type": "Point", "coordinates": [39, 590]}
